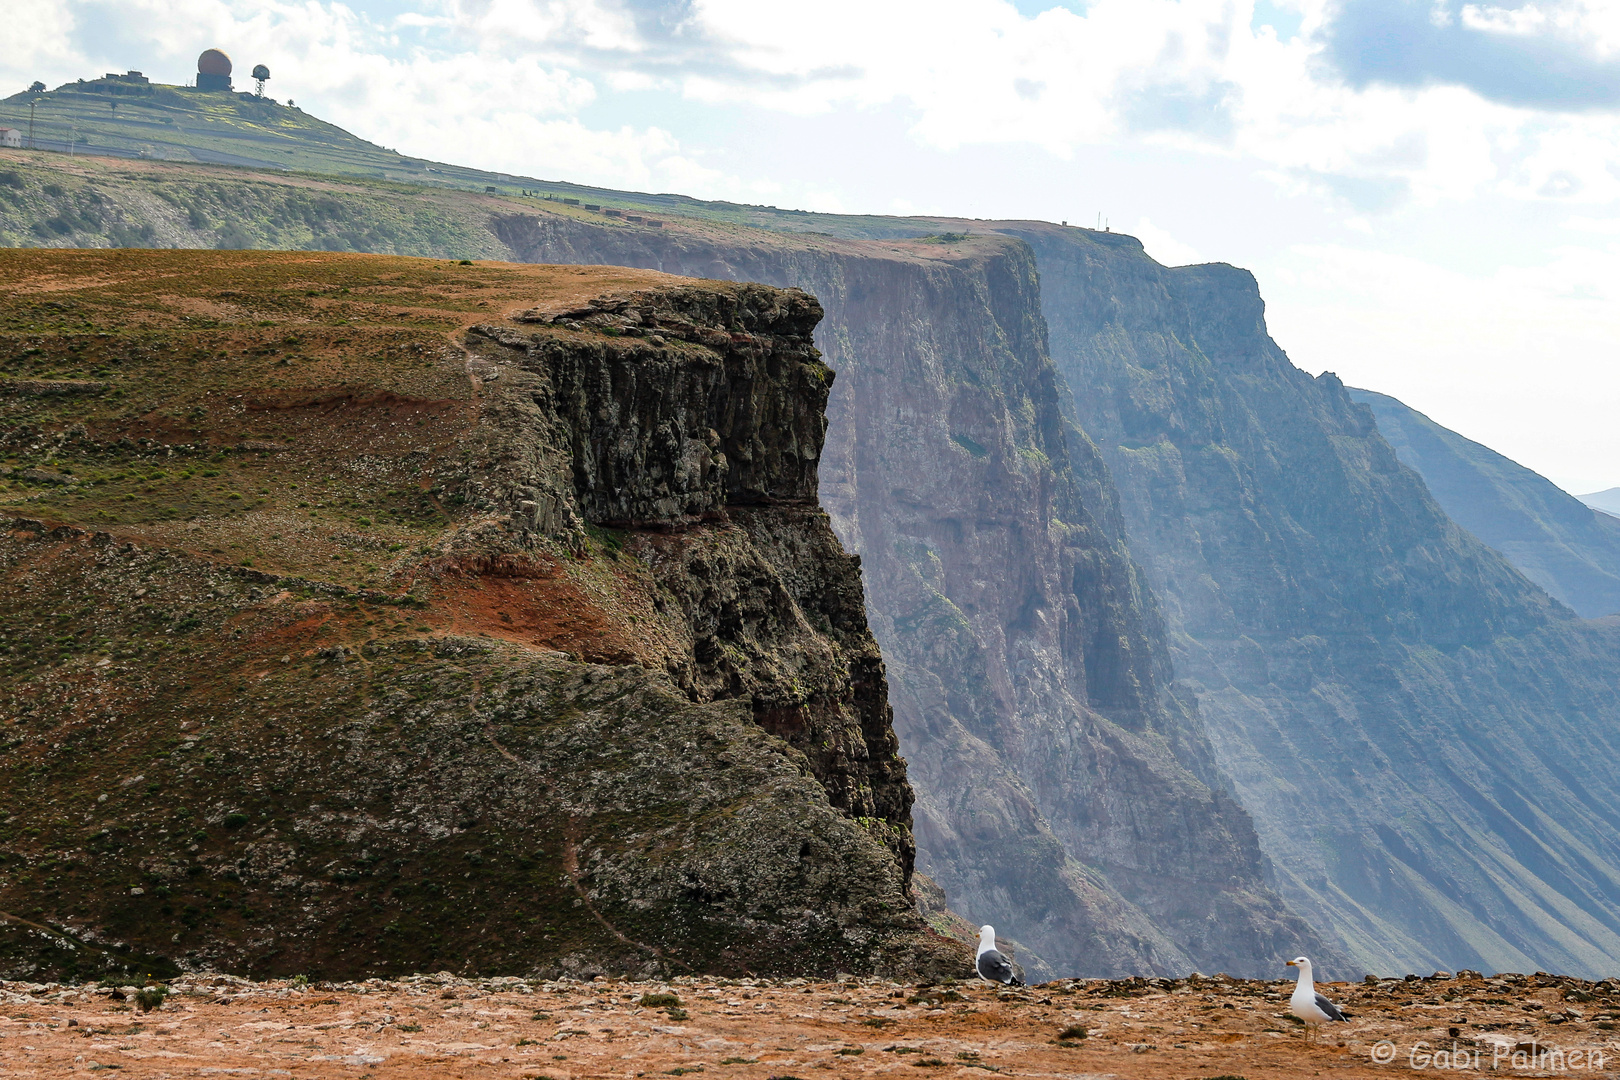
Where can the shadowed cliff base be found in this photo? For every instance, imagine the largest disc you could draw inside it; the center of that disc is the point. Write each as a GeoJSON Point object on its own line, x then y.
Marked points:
{"type": "Point", "coordinates": [362, 615]}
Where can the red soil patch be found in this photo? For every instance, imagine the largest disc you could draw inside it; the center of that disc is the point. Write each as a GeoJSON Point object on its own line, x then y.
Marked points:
{"type": "Point", "coordinates": [533, 602]}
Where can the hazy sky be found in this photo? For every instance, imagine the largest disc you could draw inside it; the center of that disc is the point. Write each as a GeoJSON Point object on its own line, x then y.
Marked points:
{"type": "Point", "coordinates": [1428, 190]}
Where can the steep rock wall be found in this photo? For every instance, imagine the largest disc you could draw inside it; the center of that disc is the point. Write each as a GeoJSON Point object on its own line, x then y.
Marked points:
{"type": "Point", "coordinates": [1424, 737]}
{"type": "Point", "coordinates": [655, 439]}
{"type": "Point", "coordinates": [1064, 793]}
{"type": "Point", "coordinates": [987, 520]}
{"type": "Point", "coordinates": [1366, 673]}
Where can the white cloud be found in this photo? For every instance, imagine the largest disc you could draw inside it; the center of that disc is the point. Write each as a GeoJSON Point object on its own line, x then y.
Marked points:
{"type": "Point", "coordinates": [1164, 247]}
{"type": "Point", "coordinates": [1180, 73]}
{"type": "Point", "coordinates": [1594, 23]}
{"type": "Point", "coordinates": [1594, 226]}
{"type": "Point", "coordinates": [1188, 74]}
{"type": "Point", "coordinates": [825, 202]}
{"type": "Point", "coordinates": [1525, 20]}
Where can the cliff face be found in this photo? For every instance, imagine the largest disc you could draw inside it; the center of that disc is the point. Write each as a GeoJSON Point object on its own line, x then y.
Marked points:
{"type": "Point", "coordinates": [1064, 793]}
{"type": "Point", "coordinates": [1549, 535]}
{"type": "Point", "coordinates": [1028, 668]}
{"type": "Point", "coordinates": [1422, 736]}
{"type": "Point", "coordinates": [1425, 739]}
{"type": "Point", "coordinates": [362, 615]}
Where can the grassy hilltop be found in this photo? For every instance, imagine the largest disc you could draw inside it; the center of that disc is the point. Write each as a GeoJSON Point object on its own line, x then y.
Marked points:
{"type": "Point", "coordinates": [179, 123]}
{"type": "Point", "coordinates": [125, 367]}
{"type": "Point", "coordinates": [184, 125]}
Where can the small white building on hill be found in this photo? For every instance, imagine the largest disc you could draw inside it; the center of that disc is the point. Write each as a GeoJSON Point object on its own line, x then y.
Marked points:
{"type": "Point", "coordinates": [11, 137]}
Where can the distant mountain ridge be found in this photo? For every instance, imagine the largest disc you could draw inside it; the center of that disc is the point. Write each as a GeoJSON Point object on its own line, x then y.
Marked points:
{"type": "Point", "coordinates": [1608, 501]}
{"type": "Point", "coordinates": [1422, 735]}
{"type": "Point", "coordinates": [1555, 539]}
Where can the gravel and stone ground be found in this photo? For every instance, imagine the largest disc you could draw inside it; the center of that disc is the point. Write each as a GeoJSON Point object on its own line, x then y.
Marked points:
{"type": "Point", "coordinates": [444, 1027]}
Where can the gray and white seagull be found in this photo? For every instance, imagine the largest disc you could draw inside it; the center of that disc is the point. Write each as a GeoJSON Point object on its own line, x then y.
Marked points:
{"type": "Point", "coordinates": [1306, 1003]}
{"type": "Point", "coordinates": [992, 966]}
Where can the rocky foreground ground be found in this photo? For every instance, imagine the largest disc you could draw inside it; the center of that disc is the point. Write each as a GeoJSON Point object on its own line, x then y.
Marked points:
{"type": "Point", "coordinates": [444, 1027]}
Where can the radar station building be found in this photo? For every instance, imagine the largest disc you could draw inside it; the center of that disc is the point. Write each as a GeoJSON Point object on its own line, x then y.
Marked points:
{"type": "Point", "coordinates": [213, 71]}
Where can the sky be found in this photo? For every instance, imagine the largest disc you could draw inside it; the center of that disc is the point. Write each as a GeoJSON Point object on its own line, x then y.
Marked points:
{"type": "Point", "coordinates": [1427, 190]}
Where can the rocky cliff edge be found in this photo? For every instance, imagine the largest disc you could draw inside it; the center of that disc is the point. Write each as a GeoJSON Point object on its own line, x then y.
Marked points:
{"type": "Point", "coordinates": [369, 614]}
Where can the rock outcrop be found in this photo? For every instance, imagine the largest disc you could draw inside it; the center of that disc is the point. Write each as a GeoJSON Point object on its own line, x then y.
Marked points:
{"type": "Point", "coordinates": [1065, 791]}
{"type": "Point", "coordinates": [381, 622]}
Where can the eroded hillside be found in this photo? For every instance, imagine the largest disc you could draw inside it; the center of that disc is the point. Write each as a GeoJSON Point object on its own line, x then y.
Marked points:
{"type": "Point", "coordinates": [367, 614]}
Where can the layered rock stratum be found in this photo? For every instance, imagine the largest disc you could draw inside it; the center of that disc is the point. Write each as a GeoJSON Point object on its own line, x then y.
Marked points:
{"type": "Point", "coordinates": [369, 615]}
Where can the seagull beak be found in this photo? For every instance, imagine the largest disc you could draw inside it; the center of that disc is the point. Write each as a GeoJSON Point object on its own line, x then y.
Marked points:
{"type": "Point", "coordinates": [1289, 963]}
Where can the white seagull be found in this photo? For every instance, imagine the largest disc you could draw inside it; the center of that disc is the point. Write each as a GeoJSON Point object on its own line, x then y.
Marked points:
{"type": "Point", "coordinates": [992, 966]}
{"type": "Point", "coordinates": [1306, 1003]}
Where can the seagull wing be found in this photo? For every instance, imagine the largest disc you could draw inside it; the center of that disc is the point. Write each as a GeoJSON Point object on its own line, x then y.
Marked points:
{"type": "Point", "coordinates": [1333, 1011]}
{"type": "Point", "coordinates": [993, 966]}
